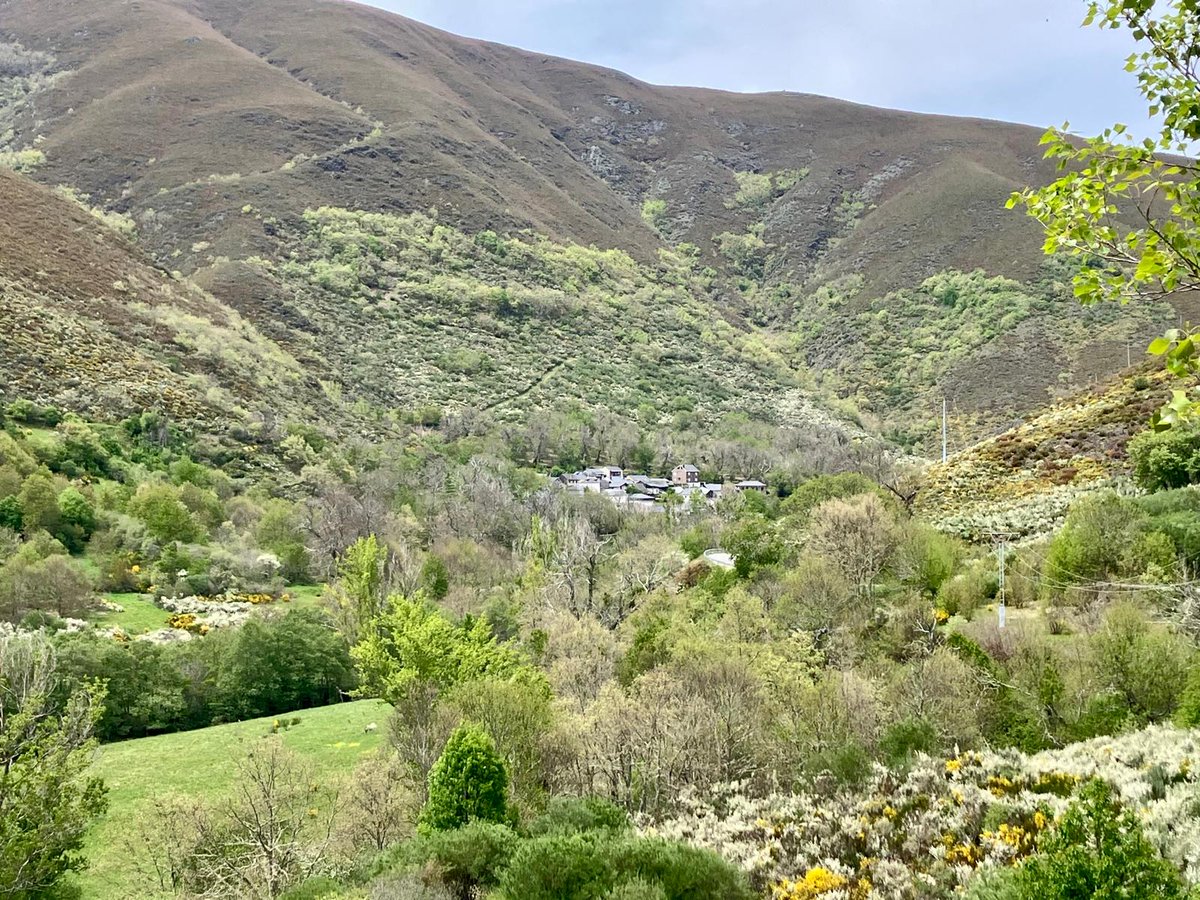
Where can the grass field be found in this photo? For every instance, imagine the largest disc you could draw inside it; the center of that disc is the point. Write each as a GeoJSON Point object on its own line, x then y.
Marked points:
{"type": "Point", "coordinates": [140, 615]}
{"type": "Point", "coordinates": [201, 762]}
{"type": "Point", "coordinates": [306, 595]}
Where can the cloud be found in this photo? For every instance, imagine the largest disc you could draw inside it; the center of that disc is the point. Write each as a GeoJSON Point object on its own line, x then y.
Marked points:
{"type": "Point", "coordinates": [1019, 60]}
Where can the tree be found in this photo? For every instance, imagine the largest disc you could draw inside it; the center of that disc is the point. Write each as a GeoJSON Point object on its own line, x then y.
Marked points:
{"type": "Point", "coordinates": [39, 502]}
{"type": "Point", "coordinates": [278, 530]}
{"type": "Point", "coordinates": [273, 832]}
{"type": "Point", "coordinates": [47, 797]}
{"type": "Point", "coordinates": [55, 583]}
{"type": "Point", "coordinates": [77, 519]}
{"type": "Point", "coordinates": [166, 517]}
{"type": "Point", "coordinates": [1098, 850]}
{"type": "Point", "coordinates": [413, 643]}
{"type": "Point", "coordinates": [1130, 213]}
{"type": "Point", "coordinates": [360, 593]}
{"type": "Point", "coordinates": [1165, 460]}
{"type": "Point", "coordinates": [435, 578]}
{"type": "Point", "coordinates": [379, 804]}
{"type": "Point", "coordinates": [11, 514]}
{"type": "Point", "coordinates": [276, 665]}
{"type": "Point", "coordinates": [754, 544]}
{"type": "Point", "coordinates": [468, 782]}
{"type": "Point", "coordinates": [518, 717]}
{"type": "Point", "coordinates": [857, 535]}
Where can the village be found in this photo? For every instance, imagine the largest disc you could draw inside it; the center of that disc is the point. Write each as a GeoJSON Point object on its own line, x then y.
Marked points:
{"type": "Point", "coordinates": [644, 492]}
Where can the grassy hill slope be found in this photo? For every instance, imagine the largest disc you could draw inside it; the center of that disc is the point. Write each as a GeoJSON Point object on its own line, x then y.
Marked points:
{"type": "Point", "coordinates": [1024, 479]}
{"type": "Point", "coordinates": [200, 763]}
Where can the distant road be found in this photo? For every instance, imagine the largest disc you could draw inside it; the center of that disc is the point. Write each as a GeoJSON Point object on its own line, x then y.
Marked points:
{"type": "Point", "coordinates": [719, 558]}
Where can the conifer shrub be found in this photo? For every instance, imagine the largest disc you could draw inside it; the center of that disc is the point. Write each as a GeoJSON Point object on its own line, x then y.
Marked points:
{"type": "Point", "coordinates": [468, 782]}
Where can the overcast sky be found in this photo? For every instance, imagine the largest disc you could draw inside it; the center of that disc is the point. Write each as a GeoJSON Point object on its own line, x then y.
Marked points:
{"type": "Point", "coordinates": [1019, 60]}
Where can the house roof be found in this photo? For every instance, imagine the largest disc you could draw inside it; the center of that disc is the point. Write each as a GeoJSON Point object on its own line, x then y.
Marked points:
{"type": "Point", "coordinates": [687, 468]}
{"type": "Point", "coordinates": [751, 483]}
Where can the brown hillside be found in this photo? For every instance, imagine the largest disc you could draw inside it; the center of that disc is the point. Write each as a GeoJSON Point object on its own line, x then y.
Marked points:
{"type": "Point", "coordinates": [162, 96]}
{"type": "Point", "coordinates": [215, 124]}
{"type": "Point", "coordinates": [86, 324]}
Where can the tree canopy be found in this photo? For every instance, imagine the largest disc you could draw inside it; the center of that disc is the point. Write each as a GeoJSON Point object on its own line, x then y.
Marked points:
{"type": "Point", "coordinates": [1130, 209]}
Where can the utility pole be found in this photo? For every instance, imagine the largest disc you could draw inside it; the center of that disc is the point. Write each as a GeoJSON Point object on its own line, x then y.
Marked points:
{"type": "Point", "coordinates": [1001, 539]}
{"type": "Point", "coordinates": [943, 429]}
{"type": "Point", "coordinates": [1128, 360]}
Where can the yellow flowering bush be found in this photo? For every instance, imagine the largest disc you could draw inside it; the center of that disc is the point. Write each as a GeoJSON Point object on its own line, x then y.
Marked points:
{"type": "Point", "coordinates": [816, 881]}
{"type": "Point", "coordinates": [186, 622]}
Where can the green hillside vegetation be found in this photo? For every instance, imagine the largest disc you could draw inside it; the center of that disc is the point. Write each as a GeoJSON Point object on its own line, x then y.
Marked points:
{"type": "Point", "coordinates": [421, 314]}
{"type": "Point", "coordinates": [294, 605]}
{"type": "Point", "coordinates": [585, 643]}
{"type": "Point", "coordinates": [964, 336]}
{"type": "Point", "coordinates": [771, 256]}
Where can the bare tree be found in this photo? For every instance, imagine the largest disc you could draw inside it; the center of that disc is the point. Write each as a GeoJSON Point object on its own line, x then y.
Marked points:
{"type": "Point", "coordinates": [380, 805]}
{"type": "Point", "coordinates": [418, 731]}
{"type": "Point", "coordinates": [857, 535]}
{"type": "Point", "coordinates": [575, 564]}
{"type": "Point", "coordinates": [273, 832]}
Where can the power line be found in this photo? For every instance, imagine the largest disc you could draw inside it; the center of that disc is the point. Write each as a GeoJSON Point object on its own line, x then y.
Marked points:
{"type": "Point", "coordinates": [1093, 586]}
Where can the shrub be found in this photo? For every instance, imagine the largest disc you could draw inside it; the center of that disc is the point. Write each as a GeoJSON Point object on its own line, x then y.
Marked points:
{"type": "Point", "coordinates": [1098, 849]}
{"type": "Point", "coordinates": [636, 890]}
{"type": "Point", "coordinates": [1188, 713]}
{"type": "Point", "coordinates": [573, 815]}
{"type": "Point", "coordinates": [812, 493]}
{"type": "Point", "coordinates": [926, 558]}
{"type": "Point", "coordinates": [558, 867]}
{"type": "Point", "coordinates": [1166, 459]}
{"type": "Point", "coordinates": [322, 887]}
{"type": "Point", "coordinates": [682, 871]}
{"type": "Point", "coordinates": [1094, 539]}
{"type": "Point", "coordinates": [653, 212]}
{"type": "Point", "coordinates": [469, 858]}
{"type": "Point", "coordinates": [468, 782]}
{"type": "Point", "coordinates": [905, 739]}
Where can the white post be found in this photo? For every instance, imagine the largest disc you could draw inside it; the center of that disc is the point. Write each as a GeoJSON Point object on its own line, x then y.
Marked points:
{"type": "Point", "coordinates": [1000, 609]}
{"type": "Point", "coordinates": [943, 429]}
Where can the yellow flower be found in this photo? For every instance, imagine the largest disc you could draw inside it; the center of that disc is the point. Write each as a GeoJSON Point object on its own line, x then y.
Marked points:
{"type": "Point", "coordinates": [953, 765]}
{"type": "Point", "coordinates": [135, 569]}
{"type": "Point", "coordinates": [816, 881]}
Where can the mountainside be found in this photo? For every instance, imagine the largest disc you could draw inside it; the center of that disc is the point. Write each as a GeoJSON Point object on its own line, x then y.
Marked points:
{"type": "Point", "coordinates": [87, 324]}
{"type": "Point", "coordinates": [1023, 480]}
{"type": "Point", "coordinates": [813, 226]}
